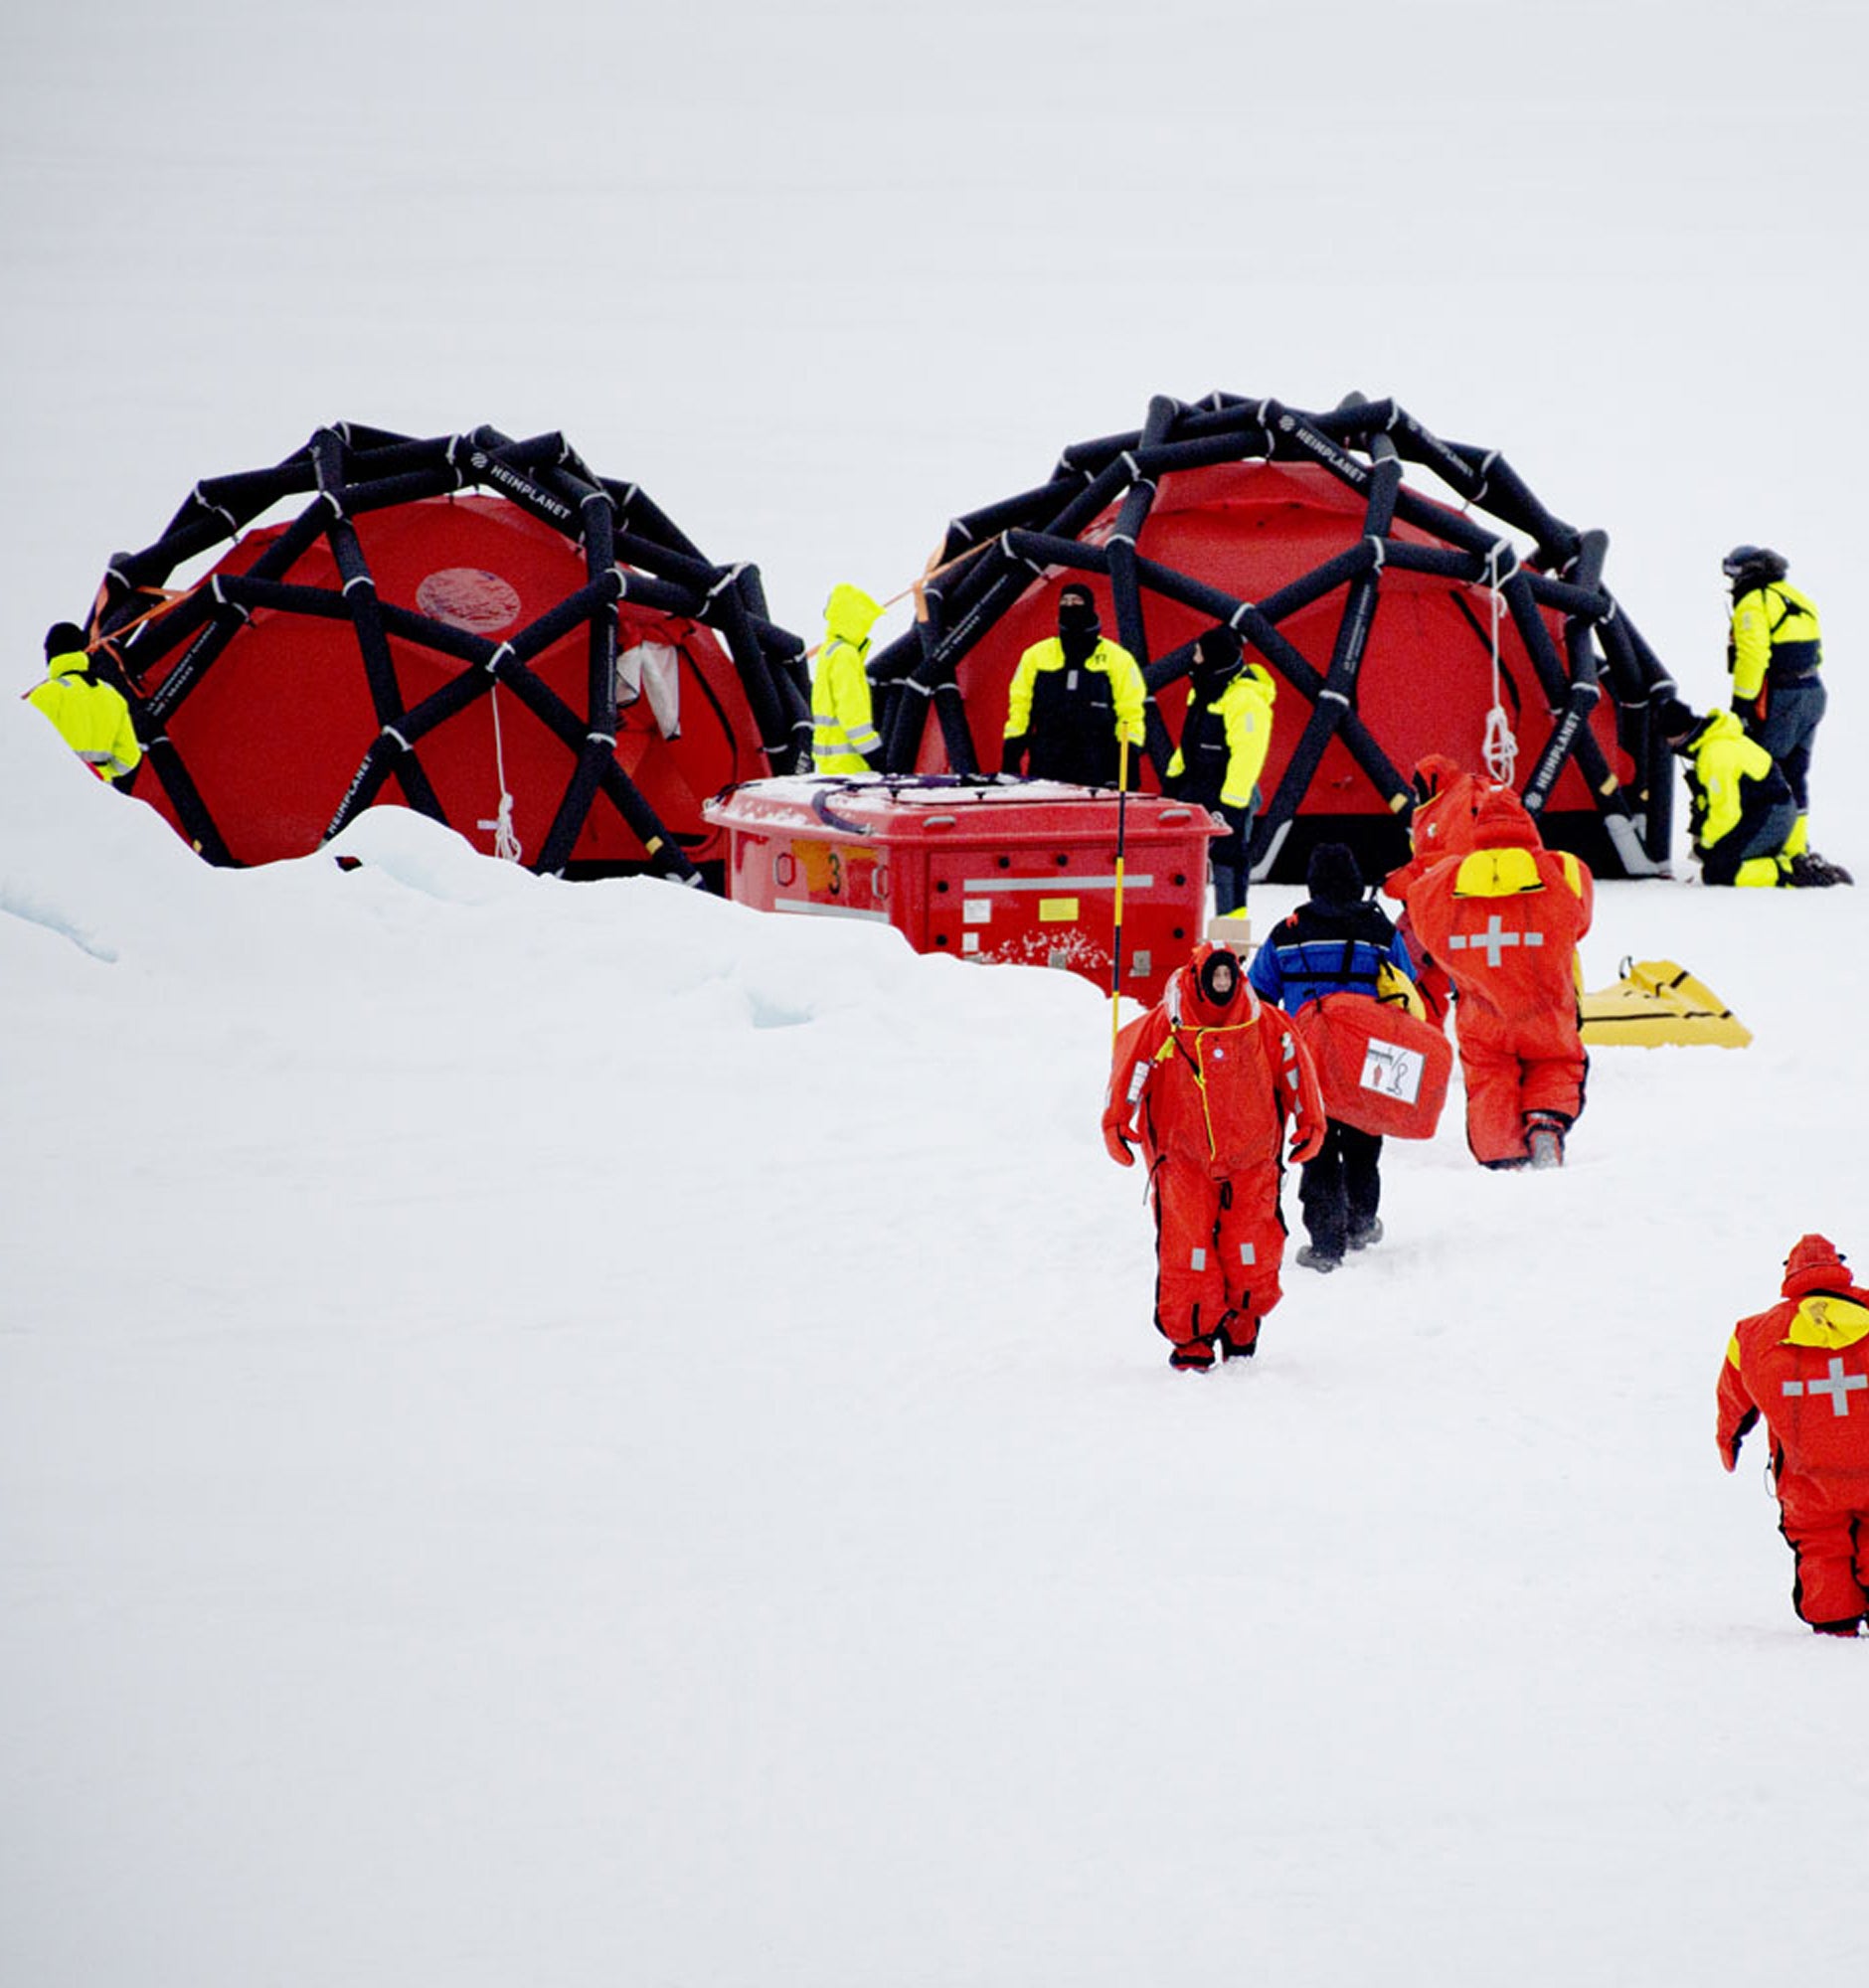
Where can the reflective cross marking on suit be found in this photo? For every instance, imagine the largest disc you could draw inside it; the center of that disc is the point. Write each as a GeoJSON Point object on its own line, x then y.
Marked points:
{"type": "Point", "coordinates": [1493, 941]}
{"type": "Point", "coordinates": [1839, 1385]}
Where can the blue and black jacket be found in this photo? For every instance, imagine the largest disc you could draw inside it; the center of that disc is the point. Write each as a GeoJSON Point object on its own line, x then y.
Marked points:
{"type": "Point", "coordinates": [1328, 949]}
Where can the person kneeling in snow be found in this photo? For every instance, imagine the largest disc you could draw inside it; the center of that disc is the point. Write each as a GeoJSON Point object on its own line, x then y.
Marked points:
{"type": "Point", "coordinates": [1741, 809]}
{"type": "Point", "coordinates": [1205, 1082]}
{"type": "Point", "coordinates": [1805, 1366]}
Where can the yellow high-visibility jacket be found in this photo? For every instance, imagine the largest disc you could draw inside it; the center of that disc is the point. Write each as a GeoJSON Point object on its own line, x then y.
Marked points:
{"type": "Point", "coordinates": [1718, 759]}
{"type": "Point", "coordinates": [1128, 693]}
{"type": "Point", "coordinates": [1776, 634]}
{"type": "Point", "coordinates": [844, 738]}
{"type": "Point", "coordinates": [1244, 709]}
{"type": "Point", "coordinates": [92, 718]}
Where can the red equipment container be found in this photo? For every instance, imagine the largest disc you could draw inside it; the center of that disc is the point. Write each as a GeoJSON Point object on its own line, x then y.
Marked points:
{"type": "Point", "coordinates": [1024, 873]}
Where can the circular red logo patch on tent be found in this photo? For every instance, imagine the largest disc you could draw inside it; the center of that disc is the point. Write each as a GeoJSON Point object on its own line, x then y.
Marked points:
{"type": "Point", "coordinates": [469, 598]}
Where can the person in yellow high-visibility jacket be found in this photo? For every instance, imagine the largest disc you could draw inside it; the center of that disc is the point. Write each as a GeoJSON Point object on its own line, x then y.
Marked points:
{"type": "Point", "coordinates": [1224, 741]}
{"type": "Point", "coordinates": [844, 738]}
{"type": "Point", "coordinates": [1774, 652]}
{"type": "Point", "coordinates": [1741, 807]}
{"type": "Point", "coordinates": [92, 718]}
{"type": "Point", "coordinates": [1075, 699]}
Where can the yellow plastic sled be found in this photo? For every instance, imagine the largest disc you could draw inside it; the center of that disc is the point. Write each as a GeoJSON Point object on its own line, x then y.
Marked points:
{"type": "Point", "coordinates": [1658, 1001]}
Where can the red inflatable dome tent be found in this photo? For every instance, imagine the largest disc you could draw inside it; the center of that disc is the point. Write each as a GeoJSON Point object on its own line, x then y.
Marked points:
{"type": "Point", "coordinates": [475, 627]}
{"type": "Point", "coordinates": [1395, 623]}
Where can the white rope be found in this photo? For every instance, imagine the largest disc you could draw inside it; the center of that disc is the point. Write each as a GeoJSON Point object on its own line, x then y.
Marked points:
{"type": "Point", "coordinates": [1500, 748]}
{"type": "Point", "coordinates": [505, 841]}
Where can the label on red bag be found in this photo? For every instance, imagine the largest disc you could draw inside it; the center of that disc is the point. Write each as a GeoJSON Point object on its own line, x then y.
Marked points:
{"type": "Point", "coordinates": [1393, 1072]}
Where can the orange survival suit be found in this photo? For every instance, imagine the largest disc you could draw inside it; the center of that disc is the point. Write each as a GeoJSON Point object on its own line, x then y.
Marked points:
{"type": "Point", "coordinates": [1446, 803]}
{"type": "Point", "coordinates": [1805, 1365]}
{"type": "Point", "coordinates": [1503, 921]}
{"type": "Point", "coordinates": [1444, 823]}
{"type": "Point", "coordinates": [1205, 1082]}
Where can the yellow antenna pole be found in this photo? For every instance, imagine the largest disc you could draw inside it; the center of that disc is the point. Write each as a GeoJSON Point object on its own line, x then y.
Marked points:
{"type": "Point", "coordinates": [1116, 949]}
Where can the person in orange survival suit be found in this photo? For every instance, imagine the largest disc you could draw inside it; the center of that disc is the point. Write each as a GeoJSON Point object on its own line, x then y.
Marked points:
{"type": "Point", "coordinates": [1442, 824]}
{"type": "Point", "coordinates": [1205, 1082]}
{"type": "Point", "coordinates": [1805, 1366]}
{"type": "Point", "coordinates": [1505, 922]}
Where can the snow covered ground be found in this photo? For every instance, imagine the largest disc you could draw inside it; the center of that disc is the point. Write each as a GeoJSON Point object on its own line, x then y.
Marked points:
{"type": "Point", "coordinates": [579, 1434]}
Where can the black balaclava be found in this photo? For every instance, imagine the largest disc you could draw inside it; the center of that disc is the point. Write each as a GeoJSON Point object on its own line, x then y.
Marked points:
{"type": "Point", "coordinates": [1220, 977]}
{"type": "Point", "coordinates": [1078, 626]}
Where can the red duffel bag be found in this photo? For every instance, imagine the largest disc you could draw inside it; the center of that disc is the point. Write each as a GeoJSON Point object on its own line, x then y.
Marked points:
{"type": "Point", "coordinates": [1381, 1068]}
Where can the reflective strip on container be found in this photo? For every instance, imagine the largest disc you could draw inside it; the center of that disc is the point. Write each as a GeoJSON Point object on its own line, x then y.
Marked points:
{"type": "Point", "coordinates": [827, 911]}
{"type": "Point", "coordinates": [1130, 882]}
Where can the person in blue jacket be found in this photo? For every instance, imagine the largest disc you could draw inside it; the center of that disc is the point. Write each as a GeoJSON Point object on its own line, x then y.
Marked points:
{"type": "Point", "coordinates": [1336, 942]}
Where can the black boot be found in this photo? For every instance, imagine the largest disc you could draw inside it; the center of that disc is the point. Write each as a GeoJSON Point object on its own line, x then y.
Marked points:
{"type": "Point", "coordinates": [1237, 1336]}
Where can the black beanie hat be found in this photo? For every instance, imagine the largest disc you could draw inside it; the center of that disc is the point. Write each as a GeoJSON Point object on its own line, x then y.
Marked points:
{"type": "Point", "coordinates": [1333, 877]}
{"type": "Point", "coordinates": [65, 639]}
{"type": "Point", "coordinates": [1674, 720]}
